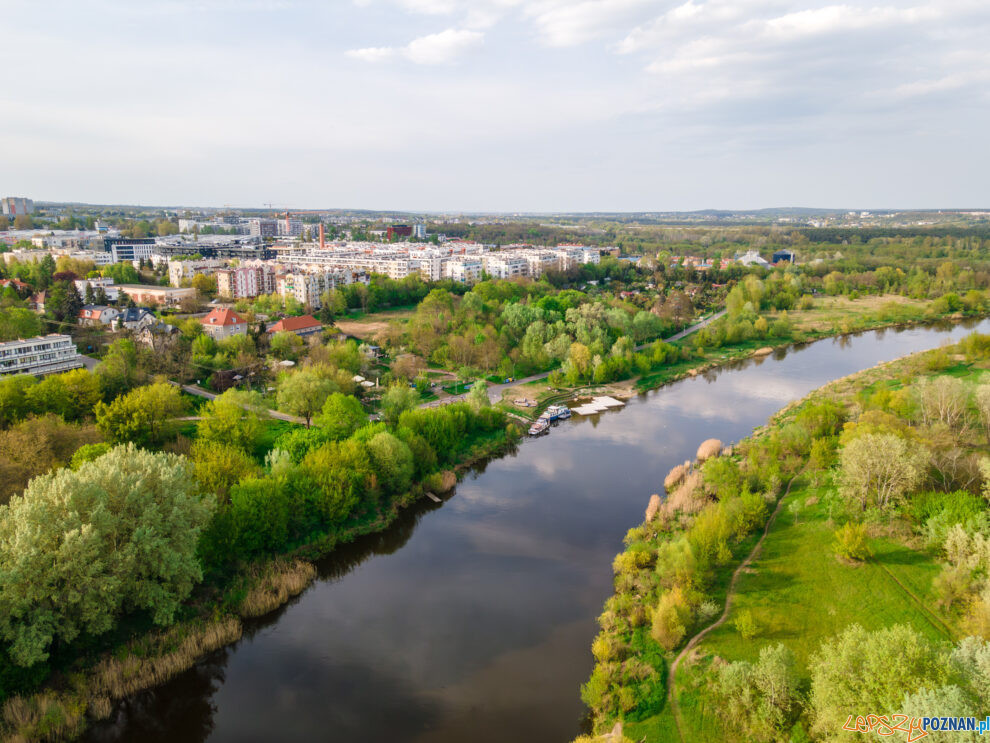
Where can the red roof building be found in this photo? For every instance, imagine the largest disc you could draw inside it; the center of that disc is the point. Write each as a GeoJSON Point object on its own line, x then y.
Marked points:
{"type": "Point", "coordinates": [223, 323]}
{"type": "Point", "coordinates": [301, 326]}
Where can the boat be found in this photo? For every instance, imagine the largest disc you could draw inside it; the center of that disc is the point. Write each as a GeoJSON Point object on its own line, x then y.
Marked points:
{"type": "Point", "coordinates": [556, 413]}
{"type": "Point", "coordinates": [539, 426]}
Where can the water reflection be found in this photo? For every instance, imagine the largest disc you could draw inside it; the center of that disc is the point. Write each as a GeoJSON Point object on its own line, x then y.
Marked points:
{"type": "Point", "coordinates": [472, 620]}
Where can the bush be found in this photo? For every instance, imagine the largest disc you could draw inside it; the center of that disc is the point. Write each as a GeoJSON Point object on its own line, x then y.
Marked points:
{"type": "Point", "coordinates": [746, 625]}
{"type": "Point", "coordinates": [671, 618]}
{"type": "Point", "coordinates": [851, 542]}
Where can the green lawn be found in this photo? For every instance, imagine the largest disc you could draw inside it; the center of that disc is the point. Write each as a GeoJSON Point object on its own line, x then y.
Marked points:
{"type": "Point", "coordinates": [800, 594]}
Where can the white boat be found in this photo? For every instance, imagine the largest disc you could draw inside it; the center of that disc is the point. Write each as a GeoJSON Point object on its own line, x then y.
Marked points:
{"type": "Point", "coordinates": [539, 426]}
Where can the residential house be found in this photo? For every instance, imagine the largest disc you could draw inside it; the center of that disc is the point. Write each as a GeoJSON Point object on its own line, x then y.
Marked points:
{"type": "Point", "coordinates": [223, 323]}
{"type": "Point", "coordinates": [97, 314]}
{"type": "Point", "coordinates": [134, 319]}
{"type": "Point", "coordinates": [301, 326]}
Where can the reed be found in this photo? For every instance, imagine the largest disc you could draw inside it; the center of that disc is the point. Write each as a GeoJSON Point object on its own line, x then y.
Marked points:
{"type": "Point", "coordinates": [653, 507]}
{"type": "Point", "coordinates": [276, 584]}
{"type": "Point", "coordinates": [674, 477]}
{"type": "Point", "coordinates": [42, 717]}
{"type": "Point", "coordinates": [116, 678]}
{"type": "Point", "coordinates": [708, 449]}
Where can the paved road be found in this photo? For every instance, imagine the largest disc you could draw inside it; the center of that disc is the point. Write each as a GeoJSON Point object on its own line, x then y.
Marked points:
{"type": "Point", "coordinates": [207, 395]}
{"type": "Point", "coordinates": [496, 390]}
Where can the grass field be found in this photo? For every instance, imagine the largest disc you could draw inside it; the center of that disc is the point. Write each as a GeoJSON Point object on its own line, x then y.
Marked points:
{"type": "Point", "coordinates": [367, 326]}
{"type": "Point", "coordinates": [799, 593]}
{"type": "Point", "coordinates": [829, 313]}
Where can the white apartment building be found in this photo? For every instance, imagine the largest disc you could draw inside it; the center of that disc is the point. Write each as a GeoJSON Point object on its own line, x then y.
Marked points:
{"type": "Point", "coordinates": [429, 263]}
{"type": "Point", "coordinates": [395, 266]}
{"type": "Point", "coordinates": [180, 270]}
{"type": "Point", "coordinates": [505, 266]}
{"type": "Point", "coordinates": [463, 269]}
{"type": "Point", "coordinates": [538, 260]}
{"type": "Point", "coordinates": [307, 287]}
{"type": "Point", "coordinates": [290, 227]}
{"type": "Point", "coordinates": [43, 354]}
{"type": "Point", "coordinates": [576, 255]}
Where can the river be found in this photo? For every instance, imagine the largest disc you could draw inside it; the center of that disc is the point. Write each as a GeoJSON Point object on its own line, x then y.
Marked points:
{"type": "Point", "coordinates": [473, 620]}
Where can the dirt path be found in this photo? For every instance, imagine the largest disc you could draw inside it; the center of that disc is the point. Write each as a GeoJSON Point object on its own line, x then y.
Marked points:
{"type": "Point", "coordinates": [672, 674]}
{"type": "Point", "coordinates": [922, 607]}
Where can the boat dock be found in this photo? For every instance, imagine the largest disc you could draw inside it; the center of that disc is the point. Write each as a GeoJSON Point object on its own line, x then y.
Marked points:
{"type": "Point", "coordinates": [598, 405]}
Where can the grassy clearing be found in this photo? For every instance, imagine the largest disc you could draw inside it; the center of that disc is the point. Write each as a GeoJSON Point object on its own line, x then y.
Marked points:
{"type": "Point", "coordinates": [834, 312]}
{"type": "Point", "coordinates": [367, 326]}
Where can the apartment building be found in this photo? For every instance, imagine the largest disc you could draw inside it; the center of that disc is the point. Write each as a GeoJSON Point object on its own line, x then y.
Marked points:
{"type": "Point", "coordinates": [247, 281]}
{"type": "Point", "coordinates": [394, 265]}
{"type": "Point", "coordinates": [106, 284]}
{"type": "Point", "coordinates": [539, 260]}
{"type": "Point", "coordinates": [262, 228]}
{"type": "Point", "coordinates": [463, 269]}
{"type": "Point", "coordinates": [307, 287]}
{"type": "Point", "coordinates": [505, 266]}
{"type": "Point", "coordinates": [183, 270]}
{"type": "Point", "coordinates": [12, 206]}
{"type": "Point", "coordinates": [44, 354]}
{"type": "Point", "coordinates": [576, 255]}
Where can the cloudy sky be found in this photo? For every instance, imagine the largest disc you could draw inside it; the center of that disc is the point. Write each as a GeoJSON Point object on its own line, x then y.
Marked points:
{"type": "Point", "coordinates": [498, 105]}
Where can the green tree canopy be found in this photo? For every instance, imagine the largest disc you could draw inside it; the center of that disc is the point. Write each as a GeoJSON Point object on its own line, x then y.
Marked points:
{"type": "Point", "coordinates": [82, 547]}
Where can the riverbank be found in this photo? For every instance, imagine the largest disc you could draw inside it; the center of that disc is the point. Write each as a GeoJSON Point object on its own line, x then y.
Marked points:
{"type": "Point", "coordinates": [87, 688]}
{"type": "Point", "coordinates": [713, 359]}
{"type": "Point", "coordinates": [678, 616]}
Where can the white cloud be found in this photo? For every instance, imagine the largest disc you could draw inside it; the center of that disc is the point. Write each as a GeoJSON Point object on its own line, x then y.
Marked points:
{"type": "Point", "coordinates": [433, 49]}
{"type": "Point", "coordinates": [371, 53]}
{"type": "Point", "coordinates": [562, 23]}
{"type": "Point", "coordinates": [442, 47]}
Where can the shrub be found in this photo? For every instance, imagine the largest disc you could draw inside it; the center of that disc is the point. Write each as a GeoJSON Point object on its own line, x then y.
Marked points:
{"type": "Point", "coordinates": [746, 625]}
{"type": "Point", "coordinates": [671, 618]}
{"type": "Point", "coordinates": [851, 542]}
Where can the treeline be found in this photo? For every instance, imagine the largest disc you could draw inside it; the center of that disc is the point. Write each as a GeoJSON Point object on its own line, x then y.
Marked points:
{"type": "Point", "coordinates": [118, 525]}
{"type": "Point", "coordinates": [904, 457]}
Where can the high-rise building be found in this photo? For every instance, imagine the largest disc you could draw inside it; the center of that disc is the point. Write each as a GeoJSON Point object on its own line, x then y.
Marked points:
{"type": "Point", "coordinates": [262, 227]}
{"type": "Point", "coordinates": [13, 206]}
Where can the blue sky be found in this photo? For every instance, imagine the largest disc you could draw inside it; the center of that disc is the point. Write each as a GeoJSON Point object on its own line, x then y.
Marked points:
{"type": "Point", "coordinates": [498, 105]}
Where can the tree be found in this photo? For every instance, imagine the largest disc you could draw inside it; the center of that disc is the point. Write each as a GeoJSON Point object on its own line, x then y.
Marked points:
{"type": "Point", "coordinates": [234, 418]}
{"type": "Point", "coordinates": [217, 467]}
{"type": "Point", "coordinates": [477, 398]}
{"type": "Point", "coordinates": [879, 468]}
{"type": "Point", "coordinates": [118, 370]}
{"type": "Point", "coordinates": [82, 547]}
{"type": "Point", "coordinates": [286, 345]}
{"type": "Point", "coordinates": [762, 699]}
{"type": "Point", "coordinates": [142, 416]}
{"type": "Point", "coordinates": [205, 284]}
{"type": "Point", "coordinates": [63, 302]}
{"type": "Point", "coordinates": [303, 393]}
{"type": "Point", "coordinates": [671, 618]}
{"type": "Point", "coordinates": [18, 322]}
{"type": "Point", "coordinates": [36, 446]}
{"type": "Point", "coordinates": [859, 671]}
{"type": "Point", "coordinates": [941, 400]}
{"type": "Point", "coordinates": [341, 416]}
{"type": "Point", "coordinates": [396, 400]}
{"type": "Point", "coordinates": [393, 462]}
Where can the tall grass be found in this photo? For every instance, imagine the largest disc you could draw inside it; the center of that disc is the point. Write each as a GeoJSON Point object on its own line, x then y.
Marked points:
{"type": "Point", "coordinates": [43, 717]}
{"type": "Point", "coordinates": [275, 584]}
{"type": "Point", "coordinates": [116, 678]}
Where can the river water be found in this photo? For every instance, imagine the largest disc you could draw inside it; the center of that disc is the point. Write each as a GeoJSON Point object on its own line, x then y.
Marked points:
{"type": "Point", "coordinates": [473, 620]}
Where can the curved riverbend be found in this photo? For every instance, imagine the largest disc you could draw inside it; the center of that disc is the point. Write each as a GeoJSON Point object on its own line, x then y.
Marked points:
{"type": "Point", "coordinates": [472, 620]}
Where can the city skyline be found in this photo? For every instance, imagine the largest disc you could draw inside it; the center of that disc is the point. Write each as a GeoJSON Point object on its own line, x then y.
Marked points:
{"type": "Point", "coordinates": [499, 106]}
